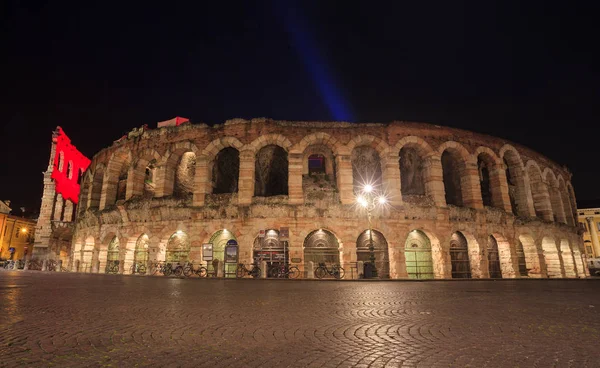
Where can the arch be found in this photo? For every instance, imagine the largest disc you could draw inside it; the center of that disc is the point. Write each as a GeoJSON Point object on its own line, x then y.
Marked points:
{"type": "Point", "coordinates": [568, 260]}
{"type": "Point", "coordinates": [319, 138]}
{"type": "Point", "coordinates": [87, 254]}
{"type": "Point", "coordinates": [531, 255]}
{"type": "Point", "coordinates": [366, 168]}
{"type": "Point", "coordinates": [411, 161]}
{"type": "Point", "coordinates": [141, 251]}
{"type": "Point", "coordinates": [382, 259]}
{"type": "Point", "coordinates": [268, 247]}
{"type": "Point", "coordinates": [268, 140]}
{"type": "Point", "coordinates": [219, 144]}
{"type": "Point", "coordinates": [552, 258]}
{"type": "Point", "coordinates": [565, 201]}
{"type": "Point", "coordinates": [115, 178]}
{"type": "Point", "coordinates": [539, 192]}
{"type": "Point", "coordinates": [321, 246]}
{"type": "Point", "coordinates": [178, 247]}
{"type": "Point", "coordinates": [516, 178]}
{"type": "Point", "coordinates": [485, 164]}
{"type": "Point", "coordinates": [225, 171]}
{"type": "Point", "coordinates": [454, 158]}
{"type": "Point", "coordinates": [171, 163]}
{"type": "Point", "coordinates": [555, 200]}
{"type": "Point", "coordinates": [419, 259]}
{"type": "Point", "coordinates": [271, 171]}
{"type": "Point", "coordinates": [572, 200]}
{"type": "Point", "coordinates": [112, 254]}
{"type": "Point", "coordinates": [459, 256]}
{"type": "Point", "coordinates": [96, 185]}
{"type": "Point", "coordinates": [423, 148]}
{"type": "Point", "coordinates": [219, 240]}
{"type": "Point", "coordinates": [493, 254]}
{"type": "Point", "coordinates": [143, 173]}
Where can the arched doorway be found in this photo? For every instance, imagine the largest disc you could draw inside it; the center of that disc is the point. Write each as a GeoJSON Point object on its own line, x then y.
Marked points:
{"type": "Point", "coordinates": [459, 256]}
{"type": "Point", "coordinates": [532, 258]}
{"type": "Point", "coordinates": [553, 266]}
{"type": "Point", "coordinates": [521, 259]}
{"type": "Point", "coordinates": [382, 260]}
{"type": "Point", "coordinates": [270, 248]}
{"type": "Point", "coordinates": [178, 248]}
{"type": "Point", "coordinates": [112, 256]}
{"type": "Point", "coordinates": [321, 246]}
{"type": "Point", "coordinates": [219, 240]}
{"type": "Point", "coordinates": [493, 258]}
{"type": "Point", "coordinates": [567, 257]}
{"type": "Point", "coordinates": [419, 263]}
{"type": "Point", "coordinates": [140, 254]}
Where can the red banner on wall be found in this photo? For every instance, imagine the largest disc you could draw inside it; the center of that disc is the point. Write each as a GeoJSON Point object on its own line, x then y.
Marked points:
{"type": "Point", "coordinates": [68, 167]}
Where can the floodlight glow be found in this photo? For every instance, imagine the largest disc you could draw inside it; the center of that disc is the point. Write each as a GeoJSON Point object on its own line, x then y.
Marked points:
{"type": "Point", "coordinates": [362, 201]}
{"type": "Point", "coordinates": [368, 188]}
{"type": "Point", "coordinates": [382, 200]}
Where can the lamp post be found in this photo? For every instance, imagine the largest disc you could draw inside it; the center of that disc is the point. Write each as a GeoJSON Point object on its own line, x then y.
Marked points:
{"type": "Point", "coordinates": [369, 200]}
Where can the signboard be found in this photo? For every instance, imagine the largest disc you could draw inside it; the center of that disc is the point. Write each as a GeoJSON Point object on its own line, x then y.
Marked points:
{"type": "Point", "coordinates": [11, 249]}
{"type": "Point", "coordinates": [207, 252]}
{"type": "Point", "coordinates": [261, 233]}
{"type": "Point", "coordinates": [232, 242]}
{"type": "Point", "coordinates": [296, 260]}
{"type": "Point", "coordinates": [284, 233]}
{"type": "Point", "coordinates": [231, 253]}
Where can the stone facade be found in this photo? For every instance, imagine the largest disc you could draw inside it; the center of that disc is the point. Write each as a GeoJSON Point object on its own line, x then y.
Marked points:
{"type": "Point", "coordinates": [478, 206]}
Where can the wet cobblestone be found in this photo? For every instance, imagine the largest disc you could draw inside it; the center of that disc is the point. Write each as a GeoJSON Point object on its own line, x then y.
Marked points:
{"type": "Point", "coordinates": [77, 320]}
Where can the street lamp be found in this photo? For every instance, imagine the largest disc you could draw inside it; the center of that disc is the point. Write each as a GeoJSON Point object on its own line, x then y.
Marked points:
{"type": "Point", "coordinates": [369, 200]}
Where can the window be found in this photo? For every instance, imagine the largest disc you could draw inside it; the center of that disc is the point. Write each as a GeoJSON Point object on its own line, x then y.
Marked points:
{"type": "Point", "coordinates": [316, 164]}
{"type": "Point", "coordinates": [18, 232]}
{"type": "Point", "coordinates": [583, 227]}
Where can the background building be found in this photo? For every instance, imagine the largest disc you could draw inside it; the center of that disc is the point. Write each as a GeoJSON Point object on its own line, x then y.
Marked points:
{"type": "Point", "coordinates": [16, 234]}
{"type": "Point", "coordinates": [589, 221]}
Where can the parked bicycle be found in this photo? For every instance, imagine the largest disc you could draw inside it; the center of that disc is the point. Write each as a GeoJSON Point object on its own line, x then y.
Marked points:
{"type": "Point", "coordinates": [35, 265]}
{"type": "Point", "coordinates": [242, 271]}
{"type": "Point", "coordinates": [284, 271]}
{"type": "Point", "coordinates": [138, 268]}
{"type": "Point", "coordinates": [111, 267]}
{"type": "Point", "coordinates": [336, 271]}
{"type": "Point", "coordinates": [189, 270]}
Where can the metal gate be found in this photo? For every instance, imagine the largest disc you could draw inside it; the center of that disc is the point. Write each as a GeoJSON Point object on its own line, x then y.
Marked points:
{"type": "Point", "coordinates": [459, 256]}
{"type": "Point", "coordinates": [419, 264]}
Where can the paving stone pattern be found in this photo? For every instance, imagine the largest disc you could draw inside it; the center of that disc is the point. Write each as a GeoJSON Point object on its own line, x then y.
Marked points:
{"type": "Point", "coordinates": [77, 320]}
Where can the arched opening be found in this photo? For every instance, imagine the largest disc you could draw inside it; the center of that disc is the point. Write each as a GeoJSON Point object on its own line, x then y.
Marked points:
{"type": "Point", "coordinates": [459, 256]}
{"type": "Point", "coordinates": [79, 176]}
{"type": "Point", "coordinates": [87, 255]}
{"type": "Point", "coordinates": [566, 204]}
{"type": "Point", "coordinates": [567, 257]}
{"type": "Point", "coordinates": [452, 171]}
{"type": "Point", "coordinates": [493, 258]}
{"type": "Point", "coordinates": [116, 178]}
{"type": "Point", "coordinates": [61, 161]}
{"type": "Point", "coordinates": [532, 259]}
{"type": "Point", "coordinates": [184, 176]}
{"type": "Point", "coordinates": [555, 200]}
{"type": "Point", "coordinates": [219, 240]}
{"type": "Point", "coordinates": [382, 259]}
{"type": "Point", "coordinates": [270, 248]}
{"type": "Point", "coordinates": [178, 248]}
{"type": "Point", "coordinates": [366, 168]}
{"type": "Point", "coordinates": [150, 179]}
{"type": "Point", "coordinates": [112, 256]}
{"type": "Point", "coordinates": [412, 169]}
{"type": "Point", "coordinates": [539, 192]}
{"type": "Point", "coordinates": [551, 257]}
{"type": "Point", "coordinates": [96, 187]}
{"type": "Point", "coordinates": [140, 254]}
{"type": "Point", "coordinates": [419, 262]}
{"type": "Point", "coordinates": [271, 172]}
{"type": "Point", "coordinates": [515, 179]}
{"type": "Point", "coordinates": [483, 167]}
{"type": "Point", "coordinates": [226, 171]}
{"type": "Point", "coordinates": [318, 174]}
{"type": "Point", "coordinates": [521, 259]}
{"type": "Point", "coordinates": [321, 246]}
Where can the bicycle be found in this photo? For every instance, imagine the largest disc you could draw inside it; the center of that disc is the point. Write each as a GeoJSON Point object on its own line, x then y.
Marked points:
{"type": "Point", "coordinates": [111, 267]}
{"type": "Point", "coordinates": [34, 265]}
{"type": "Point", "coordinates": [188, 270]}
{"type": "Point", "coordinates": [335, 271]}
{"type": "Point", "coordinates": [284, 271]}
{"type": "Point", "coordinates": [242, 271]}
{"type": "Point", "coordinates": [156, 267]}
{"type": "Point", "coordinates": [138, 267]}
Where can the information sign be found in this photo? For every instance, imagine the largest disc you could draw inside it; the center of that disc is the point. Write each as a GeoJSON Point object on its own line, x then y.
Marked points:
{"type": "Point", "coordinates": [207, 252]}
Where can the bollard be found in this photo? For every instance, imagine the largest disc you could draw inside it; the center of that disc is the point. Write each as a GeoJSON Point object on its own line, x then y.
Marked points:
{"type": "Point", "coordinates": [360, 269]}
{"type": "Point", "coordinates": [263, 269]}
{"type": "Point", "coordinates": [219, 268]}
{"type": "Point", "coordinates": [76, 266]}
{"type": "Point", "coordinates": [45, 265]}
{"type": "Point", "coordinates": [310, 271]}
{"type": "Point", "coordinates": [59, 265]}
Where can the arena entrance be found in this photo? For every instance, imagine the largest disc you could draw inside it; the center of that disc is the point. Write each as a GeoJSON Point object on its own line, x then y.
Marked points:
{"type": "Point", "coordinates": [178, 248]}
{"type": "Point", "coordinates": [494, 258]}
{"type": "Point", "coordinates": [419, 263]}
{"type": "Point", "coordinates": [140, 255]}
{"type": "Point", "coordinates": [321, 246]}
{"type": "Point", "coordinates": [219, 240]}
{"type": "Point", "coordinates": [112, 256]}
{"type": "Point", "coordinates": [459, 256]}
{"type": "Point", "coordinates": [269, 248]}
{"type": "Point", "coordinates": [382, 260]}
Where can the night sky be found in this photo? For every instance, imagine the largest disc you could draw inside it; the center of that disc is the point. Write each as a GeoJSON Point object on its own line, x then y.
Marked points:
{"type": "Point", "coordinates": [525, 71]}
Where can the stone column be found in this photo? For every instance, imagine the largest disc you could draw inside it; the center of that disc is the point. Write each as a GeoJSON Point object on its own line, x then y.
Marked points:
{"type": "Point", "coordinates": [499, 188]}
{"type": "Point", "coordinates": [434, 180]}
{"type": "Point", "coordinates": [470, 186]}
{"type": "Point", "coordinates": [594, 234]}
{"type": "Point", "coordinates": [526, 197]}
{"type": "Point", "coordinates": [200, 180]}
{"type": "Point", "coordinates": [135, 183]}
{"type": "Point", "coordinates": [391, 174]}
{"type": "Point", "coordinates": [296, 195]}
{"type": "Point", "coordinates": [164, 176]}
{"type": "Point", "coordinates": [109, 188]}
{"type": "Point", "coordinates": [68, 212]}
{"type": "Point", "coordinates": [246, 179]}
{"type": "Point", "coordinates": [344, 178]}
{"type": "Point", "coordinates": [58, 206]}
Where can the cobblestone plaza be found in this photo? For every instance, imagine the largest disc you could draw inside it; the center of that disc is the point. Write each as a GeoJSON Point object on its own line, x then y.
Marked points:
{"type": "Point", "coordinates": [95, 320]}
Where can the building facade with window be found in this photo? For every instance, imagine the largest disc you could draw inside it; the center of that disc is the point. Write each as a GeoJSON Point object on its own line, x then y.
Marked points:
{"type": "Point", "coordinates": [16, 234]}
{"type": "Point", "coordinates": [457, 204]}
{"type": "Point", "coordinates": [589, 221]}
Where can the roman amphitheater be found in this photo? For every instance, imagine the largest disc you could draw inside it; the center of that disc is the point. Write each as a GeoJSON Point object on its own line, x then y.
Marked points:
{"type": "Point", "coordinates": [458, 204]}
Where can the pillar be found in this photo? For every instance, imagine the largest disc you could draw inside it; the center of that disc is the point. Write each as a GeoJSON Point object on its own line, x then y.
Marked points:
{"type": "Point", "coordinates": [499, 188]}
{"type": "Point", "coordinates": [68, 212]}
{"type": "Point", "coordinates": [200, 180]}
{"type": "Point", "coordinates": [296, 195]}
{"type": "Point", "coordinates": [391, 173]}
{"type": "Point", "coordinates": [470, 186]}
{"type": "Point", "coordinates": [246, 179]}
{"type": "Point", "coordinates": [434, 180]}
{"type": "Point", "coordinates": [594, 233]}
{"type": "Point", "coordinates": [344, 178]}
{"type": "Point", "coordinates": [58, 207]}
